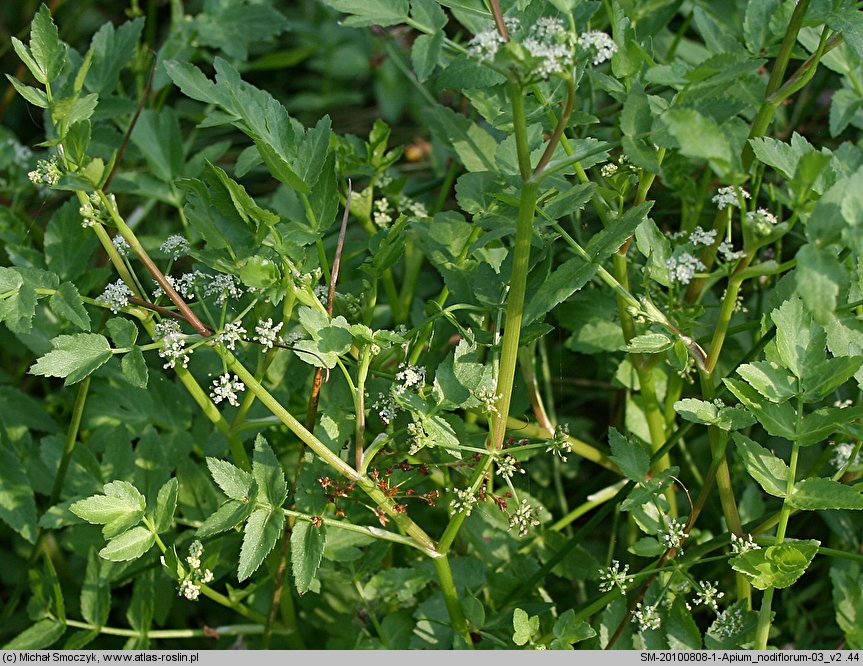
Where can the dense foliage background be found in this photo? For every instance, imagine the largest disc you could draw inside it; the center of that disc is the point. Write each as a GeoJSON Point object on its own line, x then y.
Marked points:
{"type": "Point", "coordinates": [587, 373]}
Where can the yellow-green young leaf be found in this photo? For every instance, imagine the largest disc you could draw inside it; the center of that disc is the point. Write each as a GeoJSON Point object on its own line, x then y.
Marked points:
{"type": "Point", "coordinates": [698, 136]}
{"type": "Point", "coordinates": [770, 472]}
{"type": "Point", "coordinates": [37, 637]}
{"type": "Point", "coordinates": [769, 379]}
{"type": "Point", "coordinates": [307, 548]}
{"type": "Point", "coordinates": [820, 493]}
{"type": "Point", "coordinates": [130, 545]}
{"type": "Point", "coordinates": [776, 566]}
{"type": "Point", "coordinates": [234, 482]}
{"type": "Point", "coordinates": [74, 357]}
{"type": "Point", "coordinates": [263, 529]}
{"type": "Point", "coordinates": [524, 626]}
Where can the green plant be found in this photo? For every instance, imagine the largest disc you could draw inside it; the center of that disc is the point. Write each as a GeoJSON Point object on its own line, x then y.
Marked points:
{"type": "Point", "coordinates": [518, 360]}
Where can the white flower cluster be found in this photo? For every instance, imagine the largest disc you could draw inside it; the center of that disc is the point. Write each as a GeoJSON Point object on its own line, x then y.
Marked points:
{"type": "Point", "coordinates": [222, 285]}
{"type": "Point", "coordinates": [485, 44]}
{"type": "Point", "coordinates": [382, 215]}
{"type": "Point", "coordinates": [121, 245]}
{"type": "Point", "coordinates": [598, 44]}
{"type": "Point", "coordinates": [116, 296]}
{"type": "Point", "coordinates": [175, 246]}
{"type": "Point", "coordinates": [728, 623]}
{"type": "Point", "coordinates": [523, 519]}
{"type": "Point", "coordinates": [614, 576]}
{"type": "Point", "coordinates": [190, 586]}
{"type": "Point", "coordinates": [647, 617]}
{"type": "Point", "coordinates": [560, 445]}
{"type": "Point", "coordinates": [22, 154]}
{"type": "Point", "coordinates": [488, 401]}
{"type": "Point", "coordinates": [463, 502]}
{"type": "Point", "coordinates": [682, 268]}
{"type": "Point", "coordinates": [507, 467]}
{"type": "Point", "coordinates": [549, 42]}
{"type": "Point", "coordinates": [226, 387]}
{"type": "Point", "coordinates": [842, 455]}
{"type": "Point", "coordinates": [742, 545]}
{"type": "Point", "coordinates": [231, 334]}
{"type": "Point", "coordinates": [46, 173]}
{"type": "Point", "coordinates": [386, 408]}
{"type": "Point", "coordinates": [708, 595]}
{"type": "Point", "coordinates": [673, 534]}
{"type": "Point", "coordinates": [729, 196]}
{"type": "Point", "coordinates": [608, 170]}
{"type": "Point", "coordinates": [761, 216]}
{"type": "Point", "coordinates": [411, 377]}
{"type": "Point", "coordinates": [726, 249]}
{"type": "Point", "coordinates": [699, 236]}
{"type": "Point", "coordinates": [174, 344]}
{"type": "Point", "coordinates": [183, 285]}
{"type": "Point", "coordinates": [267, 333]}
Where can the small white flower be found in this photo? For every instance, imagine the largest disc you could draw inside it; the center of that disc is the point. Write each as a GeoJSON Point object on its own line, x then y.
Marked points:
{"type": "Point", "coordinates": [614, 576]}
{"type": "Point", "coordinates": [47, 172]}
{"type": "Point", "coordinates": [174, 349]}
{"type": "Point", "coordinates": [222, 285]}
{"type": "Point", "coordinates": [189, 590]}
{"type": "Point", "coordinates": [742, 545]}
{"type": "Point", "coordinates": [673, 534]}
{"type": "Point", "coordinates": [728, 623]}
{"type": "Point", "coordinates": [701, 237]}
{"type": "Point", "coordinates": [165, 328]}
{"type": "Point", "coordinates": [463, 502]}
{"type": "Point", "coordinates": [121, 245]}
{"type": "Point", "coordinates": [231, 334]}
{"type": "Point", "coordinates": [843, 404]}
{"type": "Point", "coordinates": [523, 519]}
{"type": "Point", "coordinates": [116, 296]}
{"type": "Point", "coordinates": [708, 595]}
{"type": "Point", "coordinates": [485, 45]}
{"type": "Point", "coordinates": [729, 196]}
{"type": "Point", "coordinates": [382, 215]}
{"type": "Point", "coordinates": [599, 45]}
{"type": "Point", "coordinates": [560, 445]}
{"type": "Point", "coordinates": [417, 209]}
{"type": "Point", "coordinates": [647, 617]}
{"type": "Point", "coordinates": [553, 58]}
{"type": "Point", "coordinates": [507, 467]}
{"type": "Point", "coordinates": [682, 269]}
{"type": "Point", "coordinates": [267, 334]}
{"type": "Point", "coordinates": [226, 387]}
{"type": "Point", "coordinates": [488, 401]}
{"type": "Point", "coordinates": [762, 216]}
{"type": "Point", "coordinates": [418, 437]}
{"type": "Point", "coordinates": [386, 408]}
{"type": "Point", "coordinates": [411, 376]}
{"type": "Point", "coordinates": [726, 249]}
{"type": "Point", "coordinates": [206, 576]}
{"type": "Point", "coordinates": [175, 246]}
{"type": "Point", "coordinates": [608, 170]}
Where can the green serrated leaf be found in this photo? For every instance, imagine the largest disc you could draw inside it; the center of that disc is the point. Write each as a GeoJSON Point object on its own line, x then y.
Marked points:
{"type": "Point", "coordinates": [825, 377]}
{"type": "Point", "coordinates": [632, 458]}
{"type": "Point", "coordinates": [777, 419]}
{"type": "Point", "coordinates": [234, 482]}
{"type": "Point", "coordinates": [307, 548]}
{"type": "Point", "coordinates": [66, 303]}
{"type": "Point", "coordinates": [74, 357]}
{"type": "Point", "coordinates": [769, 379]}
{"type": "Point", "coordinates": [228, 516]}
{"type": "Point", "coordinates": [371, 12]}
{"type": "Point", "coordinates": [698, 136]}
{"type": "Point", "coordinates": [607, 241]}
{"type": "Point", "coordinates": [41, 635]}
{"type": "Point", "coordinates": [263, 529]}
{"type": "Point", "coordinates": [564, 281]}
{"type": "Point", "coordinates": [134, 368]}
{"type": "Point", "coordinates": [823, 422]}
{"type": "Point", "coordinates": [848, 601]}
{"type": "Point", "coordinates": [819, 493]}
{"type": "Point", "coordinates": [524, 626]}
{"type": "Point", "coordinates": [130, 545]}
{"type": "Point", "coordinates": [648, 343]}
{"type": "Point", "coordinates": [33, 95]}
{"type": "Point", "coordinates": [45, 45]}
{"type": "Point", "coordinates": [800, 342]}
{"type": "Point", "coordinates": [166, 504]}
{"type": "Point", "coordinates": [268, 474]}
{"type": "Point", "coordinates": [157, 135]}
{"type": "Point", "coordinates": [123, 332]}
{"type": "Point", "coordinates": [821, 279]}
{"type": "Point", "coordinates": [95, 591]}
{"type": "Point", "coordinates": [770, 472]}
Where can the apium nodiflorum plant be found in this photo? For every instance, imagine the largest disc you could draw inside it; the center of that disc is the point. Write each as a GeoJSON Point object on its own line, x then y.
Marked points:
{"type": "Point", "coordinates": [307, 383]}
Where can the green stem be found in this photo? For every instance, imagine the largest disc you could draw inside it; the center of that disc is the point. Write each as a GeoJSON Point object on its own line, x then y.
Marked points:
{"type": "Point", "coordinates": [450, 596]}
{"type": "Point", "coordinates": [71, 439]}
{"type": "Point", "coordinates": [209, 632]}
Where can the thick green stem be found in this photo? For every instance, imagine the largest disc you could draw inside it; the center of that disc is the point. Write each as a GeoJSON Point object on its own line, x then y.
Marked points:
{"type": "Point", "coordinates": [71, 439]}
{"type": "Point", "coordinates": [450, 596]}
